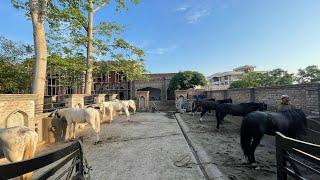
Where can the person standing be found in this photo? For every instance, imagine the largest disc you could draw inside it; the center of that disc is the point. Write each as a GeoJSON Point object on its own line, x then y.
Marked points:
{"type": "Point", "coordinates": [285, 104]}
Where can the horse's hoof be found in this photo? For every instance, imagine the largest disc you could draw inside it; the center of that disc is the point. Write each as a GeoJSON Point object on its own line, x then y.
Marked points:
{"type": "Point", "coordinates": [97, 142]}
{"type": "Point", "coordinates": [254, 165]}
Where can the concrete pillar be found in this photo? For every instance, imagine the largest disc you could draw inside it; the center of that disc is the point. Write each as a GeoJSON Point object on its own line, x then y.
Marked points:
{"type": "Point", "coordinates": [143, 100]}
{"type": "Point", "coordinates": [100, 98]}
{"type": "Point", "coordinates": [75, 100]}
{"type": "Point", "coordinates": [252, 95]}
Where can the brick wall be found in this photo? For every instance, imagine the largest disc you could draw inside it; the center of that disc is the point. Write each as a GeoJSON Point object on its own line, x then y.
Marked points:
{"type": "Point", "coordinates": [17, 109]}
{"type": "Point", "coordinates": [304, 96]}
{"type": "Point", "coordinates": [239, 95]}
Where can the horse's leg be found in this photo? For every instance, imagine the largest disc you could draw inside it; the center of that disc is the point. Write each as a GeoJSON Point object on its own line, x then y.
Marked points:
{"type": "Point", "coordinates": [255, 142]}
{"type": "Point", "coordinates": [67, 133]}
{"type": "Point", "coordinates": [111, 114]}
{"type": "Point", "coordinates": [202, 114]}
{"type": "Point", "coordinates": [97, 130]}
{"type": "Point", "coordinates": [127, 113]}
{"type": "Point", "coordinates": [219, 119]}
{"type": "Point", "coordinates": [74, 125]}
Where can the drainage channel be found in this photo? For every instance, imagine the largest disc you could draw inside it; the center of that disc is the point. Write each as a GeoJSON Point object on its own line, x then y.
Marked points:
{"type": "Point", "coordinates": [194, 152]}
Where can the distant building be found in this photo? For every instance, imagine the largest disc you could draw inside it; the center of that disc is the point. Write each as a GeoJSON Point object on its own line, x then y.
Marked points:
{"type": "Point", "coordinates": [222, 80]}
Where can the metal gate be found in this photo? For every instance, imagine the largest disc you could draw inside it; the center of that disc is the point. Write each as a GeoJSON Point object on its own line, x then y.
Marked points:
{"type": "Point", "coordinates": [73, 153]}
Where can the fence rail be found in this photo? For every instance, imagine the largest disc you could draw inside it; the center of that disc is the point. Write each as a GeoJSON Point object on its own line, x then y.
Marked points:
{"type": "Point", "coordinates": [294, 156]}
{"type": "Point", "coordinates": [72, 152]}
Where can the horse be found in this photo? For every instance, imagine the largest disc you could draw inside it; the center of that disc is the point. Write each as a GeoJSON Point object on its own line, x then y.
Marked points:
{"type": "Point", "coordinates": [118, 106]}
{"type": "Point", "coordinates": [241, 109]}
{"type": "Point", "coordinates": [291, 123]}
{"type": "Point", "coordinates": [18, 143]}
{"type": "Point", "coordinates": [131, 104]}
{"type": "Point", "coordinates": [77, 115]}
{"type": "Point", "coordinates": [208, 105]}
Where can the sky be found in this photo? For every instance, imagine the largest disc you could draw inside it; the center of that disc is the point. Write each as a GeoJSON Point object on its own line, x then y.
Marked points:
{"type": "Point", "coordinates": [208, 36]}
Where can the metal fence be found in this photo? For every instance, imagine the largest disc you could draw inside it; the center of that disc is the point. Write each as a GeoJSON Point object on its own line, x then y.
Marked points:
{"type": "Point", "coordinates": [297, 159]}
{"type": "Point", "coordinates": [57, 160]}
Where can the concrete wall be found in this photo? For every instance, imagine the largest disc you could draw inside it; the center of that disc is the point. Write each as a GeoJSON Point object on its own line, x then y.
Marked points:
{"type": "Point", "coordinates": [304, 96]}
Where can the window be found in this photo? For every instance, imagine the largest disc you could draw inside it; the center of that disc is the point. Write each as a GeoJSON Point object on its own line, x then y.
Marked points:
{"type": "Point", "coordinates": [215, 79]}
{"type": "Point", "coordinates": [226, 77]}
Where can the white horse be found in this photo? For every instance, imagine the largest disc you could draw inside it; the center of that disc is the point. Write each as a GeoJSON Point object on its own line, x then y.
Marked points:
{"type": "Point", "coordinates": [77, 115]}
{"type": "Point", "coordinates": [18, 143]}
{"type": "Point", "coordinates": [118, 106]}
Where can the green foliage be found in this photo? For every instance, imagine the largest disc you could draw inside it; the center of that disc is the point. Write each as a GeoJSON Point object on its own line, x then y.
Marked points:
{"type": "Point", "coordinates": [256, 79]}
{"type": "Point", "coordinates": [69, 69]}
{"type": "Point", "coordinates": [15, 72]}
{"type": "Point", "coordinates": [71, 19]}
{"type": "Point", "coordinates": [309, 74]}
{"type": "Point", "coordinates": [185, 80]}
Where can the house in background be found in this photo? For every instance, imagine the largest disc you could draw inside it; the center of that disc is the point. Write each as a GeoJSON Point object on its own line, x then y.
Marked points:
{"type": "Point", "coordinates": [222, 80]}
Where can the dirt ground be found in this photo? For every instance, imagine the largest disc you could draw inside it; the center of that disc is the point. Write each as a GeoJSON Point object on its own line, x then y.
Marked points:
{"type": "Point", "coordinates": [152, 146]}
{"type": "Point", "coordinates": [222, 147]}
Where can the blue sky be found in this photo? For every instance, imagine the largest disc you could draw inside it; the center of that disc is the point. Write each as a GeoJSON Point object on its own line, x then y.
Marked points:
{"type": "Point", "coordinates": [208, 35]}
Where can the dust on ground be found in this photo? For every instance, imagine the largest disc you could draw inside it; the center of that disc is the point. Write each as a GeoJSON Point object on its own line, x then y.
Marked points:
{"type": "Point", "coordinates": [223, 147]}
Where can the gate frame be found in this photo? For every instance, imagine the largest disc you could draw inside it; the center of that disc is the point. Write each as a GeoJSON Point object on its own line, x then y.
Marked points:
{"type": "Point", "coordinates": [286, 146]}
{"type": "Point", "coordinates": [72, 152]}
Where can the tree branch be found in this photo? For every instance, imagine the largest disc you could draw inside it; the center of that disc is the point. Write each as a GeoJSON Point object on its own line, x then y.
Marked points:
{"type": "Point", "coordinates": [99, 6]}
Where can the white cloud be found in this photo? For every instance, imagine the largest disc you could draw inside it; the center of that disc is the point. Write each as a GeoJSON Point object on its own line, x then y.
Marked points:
{"type": "Point", "coordinates": [182, 9]}
{"type": "Point", "coordinates": [161, 51]}
{"type": "Point", "coordinates": [192, 13]}
{"type": "Point", "coordinates": [196, 15]}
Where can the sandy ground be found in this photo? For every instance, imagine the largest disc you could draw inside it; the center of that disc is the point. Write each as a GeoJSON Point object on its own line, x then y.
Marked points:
{"type": "Point", "coordinates": [146, 148]}
{"type": "Point", "coordinates": [222, 147]}
{"type": "Point", "coordinates": [149, 147]}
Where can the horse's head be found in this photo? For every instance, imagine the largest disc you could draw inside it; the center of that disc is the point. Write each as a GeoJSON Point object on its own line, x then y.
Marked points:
{"type": "Point", "coordinates": [196, 105]}
{"type": "Point", "coordinates": [55, 114]}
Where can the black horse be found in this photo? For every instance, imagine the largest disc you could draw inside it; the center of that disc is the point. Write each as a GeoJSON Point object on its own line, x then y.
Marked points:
{"type": "Point", "coordinates": [237, 110]}
{"type": "Point", "coordinates": [291, 123]}
{"type": "Point", "coordinates": [208, 105]}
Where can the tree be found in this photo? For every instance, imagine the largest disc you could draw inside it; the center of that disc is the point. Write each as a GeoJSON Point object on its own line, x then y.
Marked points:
{"type": "Point", "coordinates": [15, 70]}
{"type": "Point", "coordinates": [185, 80]}
{"type": "Point", "coordinates": [69, 69]}
{"type": "Point", "coordinates": [37, 10]}
{"type": "Point", "coordinates": [309, 74]}
{"type": "Point", "coordinates": [78, 20]}
{"type": "Point", "coordinates": [256, 79]}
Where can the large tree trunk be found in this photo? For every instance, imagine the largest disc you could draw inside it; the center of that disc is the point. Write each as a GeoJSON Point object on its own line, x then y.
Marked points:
{"type": "Point", "coordinates": [40, 45]}
{"type": "Point", "coordinates": [89, 79]}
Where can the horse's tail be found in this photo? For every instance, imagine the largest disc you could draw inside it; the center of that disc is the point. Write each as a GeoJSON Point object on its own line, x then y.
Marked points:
{"type": "Point", "coordinates": [245, 138]}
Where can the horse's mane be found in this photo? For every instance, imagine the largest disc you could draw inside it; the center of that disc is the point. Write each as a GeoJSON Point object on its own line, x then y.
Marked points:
{"type": "Point", "coordinates": [296, 117]}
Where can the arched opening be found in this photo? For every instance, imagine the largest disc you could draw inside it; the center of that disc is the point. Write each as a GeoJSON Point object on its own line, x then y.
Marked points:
{"type": "Point", "coordinates": [154, 93]}
{"type": "Point", "coordinates": [17, 118]}
{"type": "Point", "coordinates": [142, 105]}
